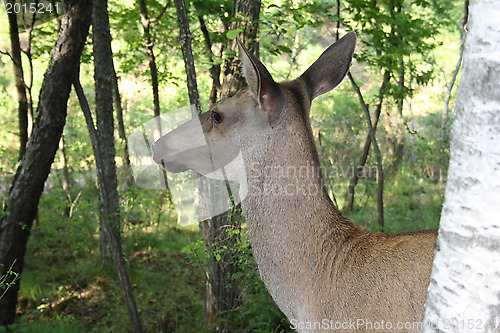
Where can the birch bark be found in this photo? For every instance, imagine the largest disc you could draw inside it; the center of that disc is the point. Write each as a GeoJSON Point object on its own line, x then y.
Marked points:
{"type": "Point", "coordinates": [464, 293]}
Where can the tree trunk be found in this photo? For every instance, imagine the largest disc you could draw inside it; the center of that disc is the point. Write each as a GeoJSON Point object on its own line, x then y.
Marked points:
{"type": "Point", "coordinates": [129, 178]}
{"type": "Point", "coordinates": [66, 179]}
{"type": "Point", "coordinates": [105, 142]}
{"type": "Point", "coordinates": [214, 68]}
{"type": "Point", "coordinates": [464, 293]}
{"type": "Point", "coordinates": [449, 87]}
{"type": "Point", "coordinates": [41, 148]}
{"type": "Point", "coordinates": [104, 152]}
{"type": "Point", "coordinates": [187, 54]}
{"type": "Point", "coordinates": [358, 170]}
{"type": "Point", "coordinates": [149, 44]}
{"type": "Point", "coordinates": [233, 79]}
{"type": "Point", "coordinates": [19, 78]}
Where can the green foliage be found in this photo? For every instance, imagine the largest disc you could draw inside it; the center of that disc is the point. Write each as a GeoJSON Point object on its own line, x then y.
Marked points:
{"type": "Point", "coordinates": [37, 323]}
{"type": "Point", "coordinates": [397, 37]}
{"type": "Point", "coordinates": [413, 202]}
{"type": "Point", "coordinates": [254, 296]}
{"type": "Point", "coordinates": [8, 280]}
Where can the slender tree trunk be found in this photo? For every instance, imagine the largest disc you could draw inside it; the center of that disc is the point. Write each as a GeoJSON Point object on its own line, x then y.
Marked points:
{"type": "Point", "coordinates": [378, 154]}
{"type": "Point", "coordinates": [121, 129]}
{"type": "Point", "coordinates": [19, 78]}
{"type": "Point", "coordinates": [104, 141]}
{"type": "Point", "coordinates": [104, 151]}
{"type": "Point", "coordinates": [464, 292]}
{"type": "Point", "coordinates": [187, 54]}
{"type": "Point", "coordinates": [215, 69]}
{"type": "Point", "coordinates": [399, 136]}
{"type": "Point", "coordinates": [41, 148]}
{"type": "Point", "coordinates": [149, 44]}
{"type": "Point", "coordinates": [349, 197]}
{"type": "Point", "coordinates": [29, 87]}
{"type": "Point", "coordinates": [449, 88]}
{"type": "Point", "coordinates": [66, 179]}
{"type": "Point", "coordinates": [109, 219]}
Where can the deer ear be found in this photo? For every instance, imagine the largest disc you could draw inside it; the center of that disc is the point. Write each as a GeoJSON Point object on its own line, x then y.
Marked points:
{"type": "Point", "coordinates": [261, 84]}
{"type": "Point", "coordinates": [331, 67]}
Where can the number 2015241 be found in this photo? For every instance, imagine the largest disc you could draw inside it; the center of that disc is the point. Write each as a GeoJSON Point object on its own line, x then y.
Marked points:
{"type": "Point", "coordinates": [33, 7]}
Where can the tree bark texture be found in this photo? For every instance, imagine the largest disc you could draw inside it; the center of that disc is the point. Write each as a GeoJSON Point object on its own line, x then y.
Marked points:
{"type": "Point", "coordinates": [149, 44]}
{"type": "Point", "coordinates": [104, 122]}
{"type": "Point", "coordinates": [214, 68]}
{"type": "Point", "coordinates": [250, 11]}
{"type": "Point", "coordinates": [187, 54]}
{"type": "Point", "coordinates": [20, 85]}
{"type": "Point", "coordinates": [117, 100]}
{"type": "Point", "coordinates": [105, 154]}
{"type": "Point", "coordinates": [464, 293]}
{"type": "Point", "coordinates": [41, 148]}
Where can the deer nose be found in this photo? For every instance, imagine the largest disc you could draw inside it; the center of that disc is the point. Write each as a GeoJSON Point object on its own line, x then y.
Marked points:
{"type": "Point", "coordinates": [159, 153]}
{"type": "Point", "coordinates": [164, 152]}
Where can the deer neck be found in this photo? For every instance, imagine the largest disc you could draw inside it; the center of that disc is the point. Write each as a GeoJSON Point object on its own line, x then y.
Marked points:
{"type": "Point", "coordinates": [292, 222]}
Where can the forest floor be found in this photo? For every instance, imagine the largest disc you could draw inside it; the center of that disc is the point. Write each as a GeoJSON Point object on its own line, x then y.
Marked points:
{"type": "Point", "coordinates": [66, 288]}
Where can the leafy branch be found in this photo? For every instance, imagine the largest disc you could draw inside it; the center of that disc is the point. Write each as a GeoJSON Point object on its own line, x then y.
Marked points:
{"type": "Point", "coordinates": [5, 285]}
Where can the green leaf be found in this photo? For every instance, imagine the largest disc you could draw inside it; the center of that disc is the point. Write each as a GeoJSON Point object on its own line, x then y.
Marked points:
{"type": "Point", "coordinates": [232, 34]}
{"type": "Point", "coordinates": [265, 40]}
{"type": "Point", "coordinates": [284, 48]}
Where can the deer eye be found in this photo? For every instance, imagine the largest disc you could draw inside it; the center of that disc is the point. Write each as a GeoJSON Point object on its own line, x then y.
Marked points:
{"type": "Point", "coordinates": [216, 117]}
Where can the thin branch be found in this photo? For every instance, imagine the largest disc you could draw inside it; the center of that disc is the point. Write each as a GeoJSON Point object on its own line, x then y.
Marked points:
{"type": "Point", "coordinates": [162, 13]}
{"type": "Point", "coordinates": [378, 154]}
{"type": "Point", "coordinates": [84, 104]}
{"type": "Point", "coordinates": [7, 54]}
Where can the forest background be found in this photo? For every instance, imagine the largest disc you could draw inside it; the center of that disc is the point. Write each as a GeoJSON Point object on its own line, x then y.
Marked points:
{"type": "Point", "coordinates": [405, 70]}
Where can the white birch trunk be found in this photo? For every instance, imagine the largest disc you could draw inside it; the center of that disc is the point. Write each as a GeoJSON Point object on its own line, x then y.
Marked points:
{"type": "Point", "coordinates": [464, 293]}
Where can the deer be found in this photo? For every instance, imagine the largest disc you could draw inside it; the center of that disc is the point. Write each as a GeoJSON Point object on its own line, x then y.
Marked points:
{"type": "Point", "coordinates": [323, 271]}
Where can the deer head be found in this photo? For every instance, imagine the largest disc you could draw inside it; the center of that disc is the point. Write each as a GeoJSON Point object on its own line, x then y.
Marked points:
{"type": "Point", "coordinates": [245, 122]}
